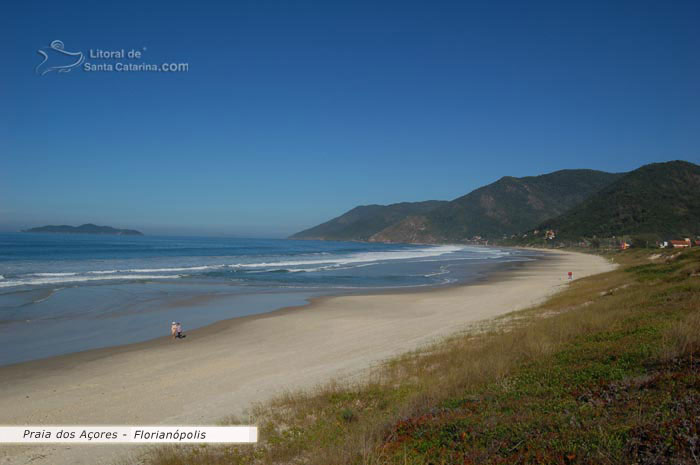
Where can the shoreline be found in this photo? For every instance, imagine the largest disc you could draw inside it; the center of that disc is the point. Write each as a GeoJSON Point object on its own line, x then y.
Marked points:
{"type": "Point", "coordinates": [98, 352]}
{"type": "Point", "coordinates": [223, 368]}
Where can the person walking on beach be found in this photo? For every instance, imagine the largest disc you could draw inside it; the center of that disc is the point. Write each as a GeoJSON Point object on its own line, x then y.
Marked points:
{"type": "Point", "coordinates": [178, 329]}
{"type": "Point", "coordinates": [173, 329]}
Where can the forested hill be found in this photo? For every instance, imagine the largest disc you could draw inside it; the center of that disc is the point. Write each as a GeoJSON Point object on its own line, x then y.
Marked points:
{"type": "Point", "coordinates": [361, 223]}
{"type": "Point", "coordinates": [660, 199]}
{"type": "Point", "coordinates": [507, 206]}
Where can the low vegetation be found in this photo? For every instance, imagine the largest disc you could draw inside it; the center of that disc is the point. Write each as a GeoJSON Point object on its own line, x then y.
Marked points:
{"type": "Point", "coordinates": [606, 372]}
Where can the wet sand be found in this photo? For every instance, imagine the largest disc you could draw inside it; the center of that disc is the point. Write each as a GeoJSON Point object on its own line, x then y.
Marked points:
{"type": "Point", "coordinates": [221, 369]}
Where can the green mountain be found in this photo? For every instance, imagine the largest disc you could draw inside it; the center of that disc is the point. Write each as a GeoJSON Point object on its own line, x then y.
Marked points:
{"type": "Point", "coordinates": [361, 223]}
{"type": "Point", "coordinates": [660, 199]}
{"type": "Point", "coordinates": [507, 206]}
{"type": "Point", "coordinates": [84, 229]}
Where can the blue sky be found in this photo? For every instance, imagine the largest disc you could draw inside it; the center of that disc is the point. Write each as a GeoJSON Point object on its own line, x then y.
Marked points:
{"type": "Point", "coordinates": [292, 112]}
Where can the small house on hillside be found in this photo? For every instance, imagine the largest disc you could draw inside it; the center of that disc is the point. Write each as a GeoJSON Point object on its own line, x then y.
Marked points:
{"type": "Point", "coordinates": [681, 244]}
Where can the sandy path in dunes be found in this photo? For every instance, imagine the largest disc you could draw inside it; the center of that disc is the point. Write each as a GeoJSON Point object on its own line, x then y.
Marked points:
{"type": "Point", "coordinates": [221, 369]}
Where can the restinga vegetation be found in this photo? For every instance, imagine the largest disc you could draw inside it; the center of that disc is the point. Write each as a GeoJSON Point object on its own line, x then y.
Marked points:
{"type": "Point", "coordinates": [87, 228]}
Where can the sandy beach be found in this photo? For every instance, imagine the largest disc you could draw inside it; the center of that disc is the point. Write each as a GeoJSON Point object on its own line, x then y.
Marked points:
{"type": "Point", "coordinates": [221, 369]}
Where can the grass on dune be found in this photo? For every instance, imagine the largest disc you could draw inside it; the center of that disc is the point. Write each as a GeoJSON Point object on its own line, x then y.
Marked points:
{"type": "Point", "coordinates": [604, 372]}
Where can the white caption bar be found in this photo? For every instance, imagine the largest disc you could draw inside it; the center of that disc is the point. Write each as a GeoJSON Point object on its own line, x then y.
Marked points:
{"type": "Point", "coordinates": [128, 434]}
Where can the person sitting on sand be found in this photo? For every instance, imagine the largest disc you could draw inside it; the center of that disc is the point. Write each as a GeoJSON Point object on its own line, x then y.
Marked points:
{"type": "Point", "coordinates": [173, 329]}
{"type": "Point", "coordinates": [178, 328]}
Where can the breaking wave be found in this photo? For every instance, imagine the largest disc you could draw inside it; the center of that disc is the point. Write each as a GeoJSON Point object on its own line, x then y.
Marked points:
{"type": "Point", "coordinates": [305, 263]}
{"type": "Point", "coordinates": [64, 279]}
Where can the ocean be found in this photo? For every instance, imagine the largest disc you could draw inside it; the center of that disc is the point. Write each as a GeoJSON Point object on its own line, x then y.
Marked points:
{"type": "Point", "coordinates": [67, 293]}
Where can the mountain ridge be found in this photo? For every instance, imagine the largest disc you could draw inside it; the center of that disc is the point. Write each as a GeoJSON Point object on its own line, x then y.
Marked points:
{"type": "Point", "coordinates": [362, 222]}
{"type": "Point", "coordinates": [510, 205]}
{"type": "Point", "coordinates": [658, 199]}
{"type": "Point", "coordinates": [506, 206]}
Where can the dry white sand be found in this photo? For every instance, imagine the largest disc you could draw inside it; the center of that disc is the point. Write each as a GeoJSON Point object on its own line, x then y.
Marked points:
{"type": "Point", "coordinates": [223, 368]}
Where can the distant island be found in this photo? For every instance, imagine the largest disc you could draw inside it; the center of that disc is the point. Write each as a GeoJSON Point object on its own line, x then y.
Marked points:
{"type": "Point", "coordinates": [84, 229]}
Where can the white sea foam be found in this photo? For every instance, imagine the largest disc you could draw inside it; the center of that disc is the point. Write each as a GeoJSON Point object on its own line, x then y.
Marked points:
{"type": "Point", "coordinates": [443, 270]}
{"type": "Point", "coordinates": [71, 279]}
{"type": "Point", "coordinates": [358, 259]}
{"type": "Point", "coordinates": [364, 257]}
{"type": "Point", "coordinates": [52, 275]}
{"type": "Point", "coordinates": [327, 262]}
{"type": "Point", "coordinates": [48, 296]}
{"type": "Point", "coordinates": [335, 267]}
{"type": "Point", "coordinates": [159, 270]}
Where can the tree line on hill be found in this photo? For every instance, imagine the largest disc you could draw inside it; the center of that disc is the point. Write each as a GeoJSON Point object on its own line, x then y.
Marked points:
{"type": "Point", "coordinates": [656, 202]}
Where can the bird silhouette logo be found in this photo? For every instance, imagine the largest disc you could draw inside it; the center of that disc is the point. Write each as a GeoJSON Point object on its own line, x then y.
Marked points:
{"type": "Point", "coordinates": [58, 59]}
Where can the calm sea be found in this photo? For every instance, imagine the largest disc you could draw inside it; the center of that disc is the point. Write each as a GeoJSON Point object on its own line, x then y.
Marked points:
{"type": "Point", "coordinates": [67, 293]}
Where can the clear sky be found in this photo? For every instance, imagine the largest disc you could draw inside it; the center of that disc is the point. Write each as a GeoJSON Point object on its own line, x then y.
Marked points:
{"type": "Point", "coordinates": [291, 113]}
